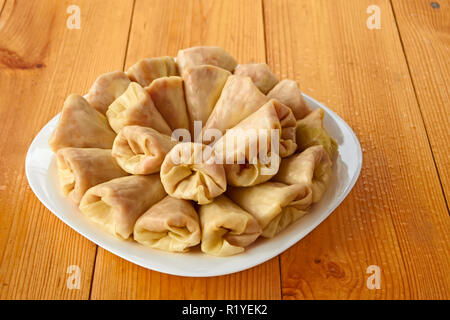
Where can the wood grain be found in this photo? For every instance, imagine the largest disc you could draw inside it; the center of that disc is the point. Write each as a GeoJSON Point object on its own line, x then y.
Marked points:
{"type": "Point", "coordinates": [236, 26]}
{"type": "Point", "coordinates": [425, 32]}
{"type": "Point", "coordinates": [41, 62]}
{"type": "Point", "coordinates": [396, 216]}
{"type": "Point", "coordinates": [2, 4]}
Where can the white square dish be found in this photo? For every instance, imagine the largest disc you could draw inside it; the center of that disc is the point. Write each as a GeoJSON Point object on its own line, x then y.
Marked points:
{"type": "Point", "coordinates": [41, 172]}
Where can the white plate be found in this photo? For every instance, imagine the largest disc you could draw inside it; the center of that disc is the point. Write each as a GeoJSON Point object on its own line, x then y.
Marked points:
{"type": "Point", "coordinates": [42, 176]}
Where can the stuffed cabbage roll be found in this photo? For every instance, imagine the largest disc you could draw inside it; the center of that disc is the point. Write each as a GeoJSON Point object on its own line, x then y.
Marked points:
{"type": "Point", "coordinates": [244, 146]}
{"type": "Point", "coordinates": [81, 126]}
{"type": "Point", "coordinates": [190, 171]}
{"type": "Point", "coordinates": [251, 172]}
{"type": "Point", "coordinates": [271, 116]}
{"type": "Point", "coordinates": [203, 85]}
{"type": "Point", "coordinates": [135, 107]}
{"type": "Point", "coordinates": [260, 74]}
{"type": "Point", "coordinates": [288, 93]}
{"type": "Point", "coordinates": [147, 70]}
{"type": "Point", "coordinates": [312, 168]}
{"type": "Point", "coordinates": [310, 132]}
{"type": "Point", "coordinates": [239, 99]}
{"type": "Point", "coordinates": [272, 113]}
{"type": "Point", "coordinates": [107, 88]}
{"type": "Point", "coordinates": [274, 205]}
{"type": "Point", "coordinates": [195, 56]}
{"type": "Point", "coordinates": [82, 168]}
{"type": "Point", "coordinates": [226, 228]}
{"type": "Point", "coordinates": [117, 204]}
{"type": "Point", "coordinates": [141, 150]}
{"type": "Point", "coordinates": [168, 96]}
{"type": "Point", "coordinates": [171, 225]}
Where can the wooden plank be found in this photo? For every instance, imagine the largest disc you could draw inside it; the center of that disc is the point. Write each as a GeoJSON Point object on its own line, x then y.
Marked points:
{"type": "Point", "coordinates": [115, 278]}
{"type": "Point", "coordinates": [236, 26]}
{"type": "Point", "coordinates": [396, 216]}
{"type": "Point", "coordinates": [424, 27]}
{"type": "Point", "coordinates": [41, 62]}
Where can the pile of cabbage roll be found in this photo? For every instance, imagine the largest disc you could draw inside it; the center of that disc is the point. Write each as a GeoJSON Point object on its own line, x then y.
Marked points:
{"type": "Point", "coordinates": [115, 151]}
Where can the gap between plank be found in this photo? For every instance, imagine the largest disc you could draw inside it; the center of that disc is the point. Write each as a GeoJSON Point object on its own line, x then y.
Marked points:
{"type": "Point", "coordinates": [128, 39]}
{"type": "Point", "coordinates": [123, 69]}
{"type": "Point", "coordinates": [93, 272]}
{"type": "Point", "coordinates": [418, 104]}
{"type": "Point", "coordinates": [3, 7]}
{"type": "Point", "coordinates": [264, 29]}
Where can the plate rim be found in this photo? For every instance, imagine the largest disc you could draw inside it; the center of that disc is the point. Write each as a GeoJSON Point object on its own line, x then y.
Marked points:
{"type": "Point", "coordinates": [239, 267]}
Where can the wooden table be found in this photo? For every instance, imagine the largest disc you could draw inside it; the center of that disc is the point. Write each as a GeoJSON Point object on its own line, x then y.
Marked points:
{"type": "Point", "coordinates": [390, 84]}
